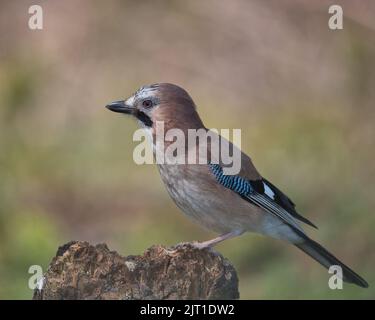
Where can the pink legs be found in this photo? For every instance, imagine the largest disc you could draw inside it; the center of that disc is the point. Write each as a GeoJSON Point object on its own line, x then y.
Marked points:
{"type": "Point", "coordinates": [215, 241]}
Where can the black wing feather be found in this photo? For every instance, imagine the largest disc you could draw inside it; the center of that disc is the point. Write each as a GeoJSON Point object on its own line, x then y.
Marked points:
{"type": "Point", "coordinates": [282, 200]}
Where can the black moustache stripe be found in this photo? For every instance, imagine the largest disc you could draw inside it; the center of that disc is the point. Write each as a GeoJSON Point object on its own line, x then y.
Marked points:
{"type": "Point", "coordinates": [144, 118]}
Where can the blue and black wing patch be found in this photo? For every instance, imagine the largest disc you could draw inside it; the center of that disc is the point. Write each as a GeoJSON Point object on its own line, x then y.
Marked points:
{"type": "Point", "coordinates": [236, 183]}
{"type": "Point", "coordinates": [261, 193]}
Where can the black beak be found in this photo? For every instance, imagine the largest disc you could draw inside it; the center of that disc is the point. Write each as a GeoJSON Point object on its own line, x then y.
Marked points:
{"type": "Point", "coordinates": [120, 107]}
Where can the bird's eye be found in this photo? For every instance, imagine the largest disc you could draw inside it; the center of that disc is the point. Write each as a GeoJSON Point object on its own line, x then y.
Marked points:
{"type": "Point", "coordinates": [147, 103]}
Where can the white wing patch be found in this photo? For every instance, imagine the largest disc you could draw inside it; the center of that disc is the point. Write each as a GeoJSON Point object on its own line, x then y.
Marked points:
{"type": "Point", "coordinates": [268, 191]}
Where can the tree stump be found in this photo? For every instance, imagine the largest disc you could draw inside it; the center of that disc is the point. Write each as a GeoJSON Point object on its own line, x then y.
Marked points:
{"type": "Point", "coordinates": [83, 271]}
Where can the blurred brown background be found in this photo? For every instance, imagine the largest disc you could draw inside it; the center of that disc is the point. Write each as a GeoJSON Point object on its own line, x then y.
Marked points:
{"type": "Point", "coordinates": [302, 94]}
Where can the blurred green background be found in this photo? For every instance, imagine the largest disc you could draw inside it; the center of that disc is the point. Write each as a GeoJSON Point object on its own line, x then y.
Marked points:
{"type": "Point", "coordinates": [302, 94]}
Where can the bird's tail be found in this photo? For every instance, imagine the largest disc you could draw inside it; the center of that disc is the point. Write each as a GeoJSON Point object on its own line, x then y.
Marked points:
{"type": "Point", "coordinates": [325, 258]}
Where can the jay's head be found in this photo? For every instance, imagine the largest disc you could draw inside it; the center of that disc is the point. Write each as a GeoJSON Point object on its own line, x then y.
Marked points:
{"type": "Point", "coordinates": [160, 102]}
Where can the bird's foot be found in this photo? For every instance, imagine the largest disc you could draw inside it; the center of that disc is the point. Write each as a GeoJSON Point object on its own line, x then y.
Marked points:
{"type": "Point", "coordinates": [201, 245]}
{"type": "Point", "coordinates": [193, 244]}
{"type": "Point", "coordinates": [209, 243]}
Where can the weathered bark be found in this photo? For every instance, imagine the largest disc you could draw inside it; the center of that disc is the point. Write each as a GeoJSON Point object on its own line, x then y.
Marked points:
{"type": "Point", "coordinates": [84, 271]}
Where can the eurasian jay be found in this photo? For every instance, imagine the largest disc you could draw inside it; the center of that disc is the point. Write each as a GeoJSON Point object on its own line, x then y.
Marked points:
{"type": "Point", "coordinates": [227, 204]}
